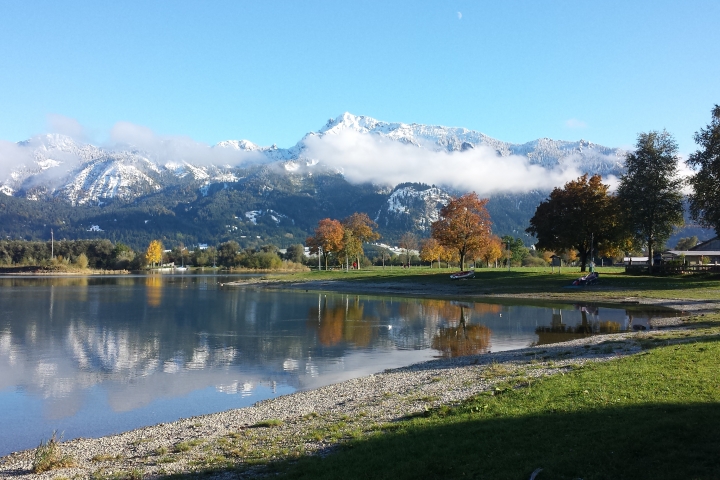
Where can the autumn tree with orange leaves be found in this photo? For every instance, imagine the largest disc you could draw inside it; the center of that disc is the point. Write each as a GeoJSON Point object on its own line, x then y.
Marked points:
{"type": "Point", "coordinates": [464, 225]}
{"type": "Point", "coordinates": [359, 229]}
{"type": "Point", "coordinates": [328, 238]}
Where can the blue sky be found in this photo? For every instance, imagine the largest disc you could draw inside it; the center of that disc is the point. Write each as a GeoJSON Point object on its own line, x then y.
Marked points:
{"type": "Point", "coordinates": [270, 71]}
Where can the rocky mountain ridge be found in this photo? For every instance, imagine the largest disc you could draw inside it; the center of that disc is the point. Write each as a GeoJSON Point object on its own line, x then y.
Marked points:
{"type": "Point", "coordinates": [191, 183]}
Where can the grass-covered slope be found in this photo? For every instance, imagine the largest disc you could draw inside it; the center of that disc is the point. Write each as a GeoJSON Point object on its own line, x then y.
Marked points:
{"type": "Point", "coordinates": [650, 416]}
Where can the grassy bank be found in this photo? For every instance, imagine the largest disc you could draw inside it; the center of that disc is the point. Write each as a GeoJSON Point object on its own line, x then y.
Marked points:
{"type": "Point", "coordinates": [614, 282]}
{"type": "Point", "coordinates": [653, 415]}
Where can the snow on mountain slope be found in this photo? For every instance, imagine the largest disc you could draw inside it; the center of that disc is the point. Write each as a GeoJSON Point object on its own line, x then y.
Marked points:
{"type": "Point", "coordinates": [415, 205]}
{"type": "Point", "coordinates": [545, 152]}
{"type": "Point", "coordinates": [84, 174]}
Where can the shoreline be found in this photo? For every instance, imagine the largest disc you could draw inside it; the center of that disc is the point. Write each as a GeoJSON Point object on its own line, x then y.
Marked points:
{"type": "Point", "coordinates": [186, 445]}
{"type": "Point", "coordinates": [285, 427]}
{"type": "Point", "coordinates": [461, 290]}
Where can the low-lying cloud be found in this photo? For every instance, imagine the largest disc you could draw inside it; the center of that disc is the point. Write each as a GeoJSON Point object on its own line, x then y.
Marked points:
{"type": "Point", "coordinates": [360, 157]}
{"type": "Point", "coordinates": [371, 158]}
{"type": "Point", "coordinates": [12, 156]}
{"type": "Point", "coordinates": [172, 148]}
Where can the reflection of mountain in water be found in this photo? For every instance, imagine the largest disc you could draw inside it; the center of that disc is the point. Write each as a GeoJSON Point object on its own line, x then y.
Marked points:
{"type": "Point", "coordinates": [146, 338]}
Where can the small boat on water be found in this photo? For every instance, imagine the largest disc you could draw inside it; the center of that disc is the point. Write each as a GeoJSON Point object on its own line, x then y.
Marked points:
{"type": "Point", "coordinates": [462, 275]}
{"type": "Point", "coordinates": [182, 267]}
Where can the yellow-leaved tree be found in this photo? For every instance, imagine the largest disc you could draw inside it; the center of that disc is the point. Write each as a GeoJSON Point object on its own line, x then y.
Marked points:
{"type": "Point", "coordinates": [154, 253]}
{"type": "Point", "coordinates": [430, 251]}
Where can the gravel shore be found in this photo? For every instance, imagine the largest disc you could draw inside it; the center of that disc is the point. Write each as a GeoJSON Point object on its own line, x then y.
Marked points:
{"type": "Point", "coordinates": [313, 422]}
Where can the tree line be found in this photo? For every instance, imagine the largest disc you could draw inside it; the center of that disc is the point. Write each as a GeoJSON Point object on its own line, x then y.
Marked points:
{"type": "Point", "coordinates": [646, 207]}
{"type": "Point", "coordinates": [98, 254]}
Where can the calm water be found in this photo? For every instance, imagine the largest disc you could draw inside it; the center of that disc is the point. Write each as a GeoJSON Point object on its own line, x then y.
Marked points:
{"type": "Point", "coordinates": [95, 356]}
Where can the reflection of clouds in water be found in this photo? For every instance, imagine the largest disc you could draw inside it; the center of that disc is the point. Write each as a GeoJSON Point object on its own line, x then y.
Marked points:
{"type": "Point", "coordinates": [172, 366]}
{"type": "Point", "coordinates": [245, 389]}
{"type": "Point", "coordinates": [236, 343]}
{"type": "Point", "coordinates": [7, 349]}
{"type": "Point", "coordinates": [199, 359]}
{"type": "Point", "coordinates": [290, 365]}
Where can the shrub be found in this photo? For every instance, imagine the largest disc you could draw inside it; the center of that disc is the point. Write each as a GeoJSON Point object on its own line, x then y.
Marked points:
{"type": "Point", "coordinates": [81, 261]}
{"type": "Point", "coordinates": [531, 261]}
{"type": "Point", "coordinates": [48, 456]}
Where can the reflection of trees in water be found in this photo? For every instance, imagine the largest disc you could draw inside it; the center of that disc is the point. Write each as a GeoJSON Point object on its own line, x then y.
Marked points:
{"type": "Point", "coordinates": [463, 339]}
{"type": "Point", "coordinates": [560, 332]}
{"type": "Point", "coordinates": [154, 290]}
{"type": "Point", "coordinates": [342, 319]}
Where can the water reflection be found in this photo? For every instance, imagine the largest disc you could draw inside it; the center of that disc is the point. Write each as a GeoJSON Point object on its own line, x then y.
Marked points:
{"type": "Point", "coordinates": [590, 324]}
{"type": "Point", "coordinates": [154, 290]}
{"type": "Point", "coordinates": [91, 356]}
{"type": "Point", "coordinates": [342, 319]}
{"type": "Point", "coordinates": [462, 339]}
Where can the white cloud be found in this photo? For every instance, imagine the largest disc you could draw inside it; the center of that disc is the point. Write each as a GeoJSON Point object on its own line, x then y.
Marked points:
{"type": "Point", "coordinates": [170, 148]}
{"type": "Point", "coordinates": [574, 123]}
{"type": "Point", "coordinates": [67, 126]}
{"type": "Point", "coordinates": [459, 14]}
{"type": "Point", "coordinates": [371, 158]}
{"type": "Point", "coordinates": [12, 156]}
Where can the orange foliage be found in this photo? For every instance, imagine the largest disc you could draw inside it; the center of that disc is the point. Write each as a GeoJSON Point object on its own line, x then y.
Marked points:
{"type": "Point", "coordinates": [462, 340]}
{"type": "Point", "coordinates": [328, 238]}
{"type": "Point", "coordinates": [464, 225]}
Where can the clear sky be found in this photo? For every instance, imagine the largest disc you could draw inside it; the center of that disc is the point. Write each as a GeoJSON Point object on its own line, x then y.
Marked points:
{"type": "Point", "coordinates": [270, 71]}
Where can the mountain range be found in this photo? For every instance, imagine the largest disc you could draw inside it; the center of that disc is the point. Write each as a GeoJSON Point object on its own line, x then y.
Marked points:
{"type": "Point", "coordinates": [182, 191]}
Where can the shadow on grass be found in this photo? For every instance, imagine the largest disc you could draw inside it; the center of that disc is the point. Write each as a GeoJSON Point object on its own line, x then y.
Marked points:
{"type": "Point", "coordinates": [656, 441]}
{"type": "Point", "coordinates": [649, 416]}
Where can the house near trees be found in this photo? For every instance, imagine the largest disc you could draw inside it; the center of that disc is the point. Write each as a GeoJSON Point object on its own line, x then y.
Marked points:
{"type": "Point", "coordinates": [707, 252]}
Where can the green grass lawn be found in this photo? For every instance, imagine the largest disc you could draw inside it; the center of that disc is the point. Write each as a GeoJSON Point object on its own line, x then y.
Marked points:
{"type": "Point", "coordinates": [614, 282]}
{"type": "Point", "coordinates": [650, 416]}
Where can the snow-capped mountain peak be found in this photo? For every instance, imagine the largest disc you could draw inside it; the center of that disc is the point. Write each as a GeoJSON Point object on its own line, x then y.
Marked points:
{"type": "Point", "coordinates": [59, 166]}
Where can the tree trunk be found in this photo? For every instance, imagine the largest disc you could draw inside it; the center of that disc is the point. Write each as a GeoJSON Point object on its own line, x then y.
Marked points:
{"type": "Point", "coordinates": [583, 259]}
{"type": "Point", "coordinates": [650, 256]}
{"type": "Point", "coordinates": [462, 262]}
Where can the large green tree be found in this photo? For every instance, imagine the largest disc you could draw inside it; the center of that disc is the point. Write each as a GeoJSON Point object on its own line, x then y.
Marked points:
{"type": "Point", "coordinates": [650, 191]}
{"type": "Point", "coordinates": [705, 199]}
{"type": "Point", "coordinates": [579, 216]}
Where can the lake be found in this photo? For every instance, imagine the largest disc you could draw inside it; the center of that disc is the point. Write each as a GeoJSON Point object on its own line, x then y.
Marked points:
{"type": "Point", "coordinates": [92, 356]}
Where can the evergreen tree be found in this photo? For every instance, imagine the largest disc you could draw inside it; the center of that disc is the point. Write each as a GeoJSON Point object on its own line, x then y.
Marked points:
{"type": "Point", "coordinates": [649, 192]}
{"type": "Point", "coordinates": [705, 199]}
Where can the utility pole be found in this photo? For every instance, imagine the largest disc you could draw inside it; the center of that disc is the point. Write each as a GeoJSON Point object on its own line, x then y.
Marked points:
{"type": "Point", "coordinates": [52, 244]}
